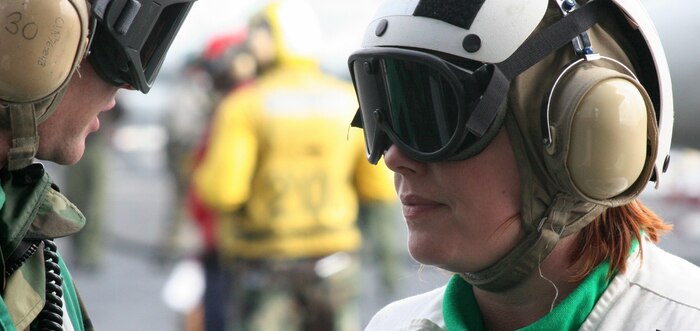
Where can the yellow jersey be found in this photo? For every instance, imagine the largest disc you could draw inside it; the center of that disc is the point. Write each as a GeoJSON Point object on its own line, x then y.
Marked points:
{"type": "Point", "coordinates": [286, 171]}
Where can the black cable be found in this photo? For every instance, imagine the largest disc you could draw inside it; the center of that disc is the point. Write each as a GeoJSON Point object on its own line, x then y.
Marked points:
{"type": "Point", "coordinates": [51, 316]}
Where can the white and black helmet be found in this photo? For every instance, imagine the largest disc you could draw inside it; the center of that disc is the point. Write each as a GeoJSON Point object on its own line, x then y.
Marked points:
{"type": "Point", "coordinates": [583, 90]}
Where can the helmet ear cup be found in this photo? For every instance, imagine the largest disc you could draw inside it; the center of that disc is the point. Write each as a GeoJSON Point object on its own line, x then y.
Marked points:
{"type": "Point", "coordinates": [603, 126]}
{"type": "Point", "coordinates": [608, 142]}
{"type": "Point", "coordinates": [42, 44]}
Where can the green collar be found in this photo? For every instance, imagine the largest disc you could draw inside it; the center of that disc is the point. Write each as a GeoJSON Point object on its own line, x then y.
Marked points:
{"type": "Point", "coordinates": [461, 311]}
{"type": "Point", "coordinates": [459, 307]}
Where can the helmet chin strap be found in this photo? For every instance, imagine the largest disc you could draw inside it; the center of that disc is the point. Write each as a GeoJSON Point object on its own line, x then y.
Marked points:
{"type": "Point", "coordinates": [25, 140]}
{"type": "Point", "coordinates": [564, 217]}
{"type": "Point", "coordinates": [23, 119]}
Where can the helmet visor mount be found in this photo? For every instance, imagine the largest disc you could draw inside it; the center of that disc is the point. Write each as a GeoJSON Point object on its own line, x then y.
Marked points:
{"type": "Point", "coordinates": [415, 100]}
{"type": "Point", "coordinates": [131, 39]}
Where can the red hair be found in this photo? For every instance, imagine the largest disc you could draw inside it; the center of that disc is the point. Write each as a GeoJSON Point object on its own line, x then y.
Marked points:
{"type": "Point", "coordinates": [609, 237]}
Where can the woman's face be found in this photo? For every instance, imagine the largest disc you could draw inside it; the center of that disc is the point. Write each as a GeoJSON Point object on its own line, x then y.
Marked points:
{"type": "Point", "coordinates": [62, 135]}
{"type": "Point", "coordinates": [462, 216]}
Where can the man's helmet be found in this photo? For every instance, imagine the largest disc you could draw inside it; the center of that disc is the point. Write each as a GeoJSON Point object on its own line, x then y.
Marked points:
{"type": "Point", "coordinates": [584, 92]}
{"type": "Point", "coordinates": [44, 42]}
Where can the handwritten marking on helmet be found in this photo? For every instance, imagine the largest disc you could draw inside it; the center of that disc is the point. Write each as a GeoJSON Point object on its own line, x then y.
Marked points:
{"type": "Point", "coordinates": [53, 39]}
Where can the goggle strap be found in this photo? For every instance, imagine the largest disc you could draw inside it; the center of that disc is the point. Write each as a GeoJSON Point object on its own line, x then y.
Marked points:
{"type": "Point", "coordinates": [485, 112]}
{"type": "Point", "coordinates": [553, 37]}
{"type": "Point", "coordinates": [533, 51]}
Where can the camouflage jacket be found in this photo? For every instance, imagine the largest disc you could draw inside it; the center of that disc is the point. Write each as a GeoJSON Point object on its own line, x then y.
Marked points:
{"type": "Point", "coordinates": [32, 210]}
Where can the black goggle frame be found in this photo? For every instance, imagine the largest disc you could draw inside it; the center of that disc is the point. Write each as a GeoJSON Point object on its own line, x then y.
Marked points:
{"type": "Point", "coordinates": [131, 38]}
{"type": "Point", "coordinates": [480, 116]}
{"type": "Point", "coordinates": [372, 86]}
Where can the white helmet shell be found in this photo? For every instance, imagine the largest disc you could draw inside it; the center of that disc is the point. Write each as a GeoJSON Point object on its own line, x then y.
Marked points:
{"type": "Point", "coordinates": [502, 26]}
{"type": "Point", "coordinates": [639, 18]}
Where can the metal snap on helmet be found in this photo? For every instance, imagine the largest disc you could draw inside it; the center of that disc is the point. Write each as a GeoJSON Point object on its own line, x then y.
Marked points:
{"type": "Point", "coordinates": [583, 89]}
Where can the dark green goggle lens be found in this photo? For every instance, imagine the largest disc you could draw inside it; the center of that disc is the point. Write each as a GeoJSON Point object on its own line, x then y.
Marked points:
{"type": "Point", "coordinates": [407, 102]}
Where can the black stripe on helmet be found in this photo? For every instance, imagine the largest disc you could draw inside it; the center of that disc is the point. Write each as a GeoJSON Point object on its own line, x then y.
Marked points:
{"type": "Point", "coordinates": [456, 12]}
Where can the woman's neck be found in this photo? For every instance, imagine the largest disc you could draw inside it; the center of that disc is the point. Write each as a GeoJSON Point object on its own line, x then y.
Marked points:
{"type": "Point", "coordinates": [534, 297]}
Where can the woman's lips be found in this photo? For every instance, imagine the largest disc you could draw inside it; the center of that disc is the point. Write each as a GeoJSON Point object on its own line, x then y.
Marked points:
{"type": "Point", "coordinates": [415, 206]}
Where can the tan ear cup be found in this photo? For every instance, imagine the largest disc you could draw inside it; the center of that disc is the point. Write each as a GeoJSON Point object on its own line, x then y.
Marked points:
{"type": "Point", "coordinates": [601, 123]}
{"type": "Point", "coordinates": [608, 138]}
{"type": "Point", "coordinates": [41, 44]}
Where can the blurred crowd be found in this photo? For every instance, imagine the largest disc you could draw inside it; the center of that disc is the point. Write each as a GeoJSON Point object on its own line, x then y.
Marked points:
{"type": "Point", "coordinates": [264, 162]}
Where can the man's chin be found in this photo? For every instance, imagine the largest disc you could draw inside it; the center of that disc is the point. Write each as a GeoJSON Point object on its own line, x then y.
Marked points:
{"type": "Point", "coordinates": [66, 157]}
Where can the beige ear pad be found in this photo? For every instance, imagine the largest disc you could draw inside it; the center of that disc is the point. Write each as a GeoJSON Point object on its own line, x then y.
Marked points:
{"type": "Point", "coordinates": [601, 119]}
{"type": "Point", "coordinates": [42, 41]}
{"type": "Point", "coordinates": [608, 142]}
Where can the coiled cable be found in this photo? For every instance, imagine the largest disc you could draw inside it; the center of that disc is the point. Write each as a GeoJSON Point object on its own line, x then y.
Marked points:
{"type": "Point", "coordinates": [51, 316]}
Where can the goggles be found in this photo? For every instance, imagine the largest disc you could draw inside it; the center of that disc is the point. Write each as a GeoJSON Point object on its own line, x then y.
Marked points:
{"type": "Point", "coordinates": [416, 101]}
{"type": "Point", "coordinates": [130, 38]}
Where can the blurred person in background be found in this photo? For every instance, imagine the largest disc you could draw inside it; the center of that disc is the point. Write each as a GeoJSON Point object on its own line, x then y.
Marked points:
{"type": "Point", "coordinates": [206, 78]}
{"type": "Point", "coordinates": [285, 176]}
{"type": "Point", "coordinates": [64, 62]}
{"type": "Point", "coordinates": [230, 64]}
{"type": "Point", "coordinates": [519, 155]}
{"type": "Point", "coordinates": [85, 186]}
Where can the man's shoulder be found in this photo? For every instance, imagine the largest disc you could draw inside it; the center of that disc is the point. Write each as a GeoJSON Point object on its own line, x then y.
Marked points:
{"type": "Point", "coordinates": [406, 314]}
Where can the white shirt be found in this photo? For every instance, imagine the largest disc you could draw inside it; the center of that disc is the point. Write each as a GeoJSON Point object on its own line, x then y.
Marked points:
{"type": "Point", "coordinates": [657, 292]}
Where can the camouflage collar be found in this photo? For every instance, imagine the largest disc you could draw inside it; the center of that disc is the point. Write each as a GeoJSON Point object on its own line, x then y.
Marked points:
{"type": "Point", "coordinates": [34, 208]}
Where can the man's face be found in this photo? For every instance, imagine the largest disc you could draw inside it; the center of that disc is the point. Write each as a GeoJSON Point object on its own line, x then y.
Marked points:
{"type": "Point", "coordinates": [62, 135]}
{"type": "Point", "coordinates": [262, 45]}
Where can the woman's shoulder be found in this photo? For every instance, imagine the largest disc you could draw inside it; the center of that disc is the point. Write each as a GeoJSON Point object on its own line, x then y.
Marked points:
{"type": "Point", "coordinates": [659, 291]}
{"type": "Point", "coordinates": [669, 276]}
{"type": "Point", "coordinates": [418, 312]}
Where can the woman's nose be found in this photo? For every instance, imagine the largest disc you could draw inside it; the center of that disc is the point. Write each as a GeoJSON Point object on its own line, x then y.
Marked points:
{"type": "Point", "coordinates": [398, 162]}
